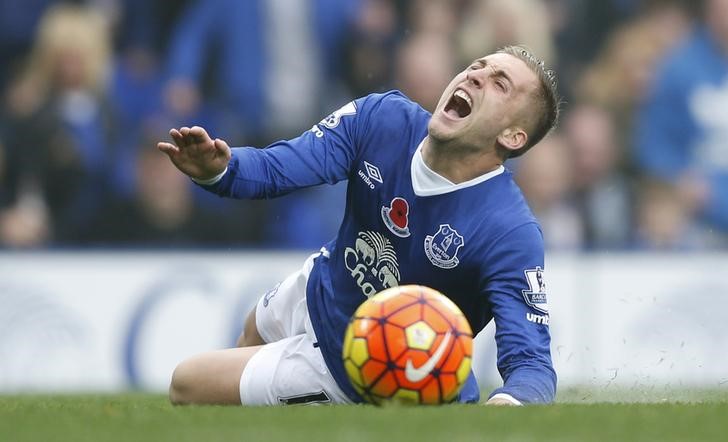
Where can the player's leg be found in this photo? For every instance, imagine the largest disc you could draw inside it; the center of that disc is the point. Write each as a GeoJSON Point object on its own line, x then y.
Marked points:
{"type": "Point", "coordinates": [250, 336]}
{"type": "Point", "coordinates": [279, 313]}
{"type": "Point", "coordinates": [287, 372]}
{"type": "Point", "coordinates": [210, 378]}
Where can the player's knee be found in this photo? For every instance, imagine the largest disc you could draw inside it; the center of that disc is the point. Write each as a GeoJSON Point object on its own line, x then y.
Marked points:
{"type": "Point", "coordinates": [250, 336]}
{"type": "Point", "coordinates": [181, 386]}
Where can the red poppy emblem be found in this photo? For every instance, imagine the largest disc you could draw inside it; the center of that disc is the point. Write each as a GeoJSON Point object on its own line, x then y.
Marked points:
{"type": "Point", "coordinates": [399, 212]}
{"type": "Point", "coordinates": [395, 217]}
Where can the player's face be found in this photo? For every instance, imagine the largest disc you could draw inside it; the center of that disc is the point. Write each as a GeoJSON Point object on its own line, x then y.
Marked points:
{"type": "Point", "coordinates": [488, 97]}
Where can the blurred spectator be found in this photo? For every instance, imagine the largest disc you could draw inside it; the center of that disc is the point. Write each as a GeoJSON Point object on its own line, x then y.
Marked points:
{"type": "Point", "coordinates": [580, 28]}
{"type": "Point", "coordinates": [370, 48]}
{"type": "Point", "coordinates": [142, 32]}
{"type": "Point", "coordinates": [2, 164]}
{"type": "Point", "coordinates": [25, 223]}
{"type": "Point", "coordinates": [59, 122]}
{"type": "Point", "coordinates": [438, 18]}
{"type": "Point", "coordinates": [425, 66]}
{"type": "Point", "coordinates": [80, 84]}
{"type": "Point", "coordinates": [256, 68]}
{"type": "Point", "coordinates": [683, 126]}
{"type": "Point", "coordinates": [305, 220]}
{"type": "Point", "coordinates": [492, 24]}
{"type": "Point", "coordinates": [18, 21]}
{"type": "Point", "coordinates": [600, 129]}
{"type": "Point", "coordinates": [545, 177]}
{"type": "Point", "coordinates": [147, 25]}
{"type": "Point", "coordinates": [257, 71]}
{"type": "Point", "coordinates": [663, 219]}
{"type": "Point", "coordinates": [23, 216]}
{"type": "Point", "coordinates": [161, 212]}
{"type": "Point", "coordinates": [620, 76]}
{"type": "Point", "coordinates": [5, 191]}
{"type": "Point", "coordinates": [601, 188]}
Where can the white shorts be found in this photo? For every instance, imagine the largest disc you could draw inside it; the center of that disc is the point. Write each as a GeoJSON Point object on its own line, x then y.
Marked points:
{"type": "Point", "coordinates": [290, 368]}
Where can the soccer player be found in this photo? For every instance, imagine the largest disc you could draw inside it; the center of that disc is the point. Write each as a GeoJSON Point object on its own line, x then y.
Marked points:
{"type": "Point", "coordinates": [429, 202]}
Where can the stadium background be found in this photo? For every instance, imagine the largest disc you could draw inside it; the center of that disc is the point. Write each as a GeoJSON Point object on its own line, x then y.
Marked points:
{"type": "Point", "coordinates": [113, 266]}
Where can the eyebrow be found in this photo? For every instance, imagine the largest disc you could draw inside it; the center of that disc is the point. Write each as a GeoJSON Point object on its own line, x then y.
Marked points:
{"type": "Point", "coordinates": [497, 71]}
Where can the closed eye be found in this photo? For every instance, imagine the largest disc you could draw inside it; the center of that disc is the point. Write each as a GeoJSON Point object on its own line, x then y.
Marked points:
{"type": "Point", "coordinates": [476, 65]}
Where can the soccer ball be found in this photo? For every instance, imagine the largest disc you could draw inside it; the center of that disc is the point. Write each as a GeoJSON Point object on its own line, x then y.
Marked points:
{"type": "Point", "coordinates": [408, 344]}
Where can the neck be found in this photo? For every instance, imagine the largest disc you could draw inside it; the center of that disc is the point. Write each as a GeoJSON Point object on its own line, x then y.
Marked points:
{"type": "Point", "coordinates": [458, 164]}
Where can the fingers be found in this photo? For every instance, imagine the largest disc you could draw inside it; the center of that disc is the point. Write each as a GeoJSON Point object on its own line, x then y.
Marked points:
{"type": "Point", "coordinates": [178, 138]}
{"type": "Point", "coordinates": [200, 134]}
{"type": "Point", "coordinates": [188, 137]}
{"type": "Point", "coordinates": [168, 148]}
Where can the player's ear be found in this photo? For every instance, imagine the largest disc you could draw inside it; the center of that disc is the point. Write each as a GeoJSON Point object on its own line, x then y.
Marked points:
{"type": "Point", "coordinates": [513, 138]}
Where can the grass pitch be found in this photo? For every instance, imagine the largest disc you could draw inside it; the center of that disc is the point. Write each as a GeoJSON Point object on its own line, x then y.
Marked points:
{"type": "Point", "coordinates": [144, 417]}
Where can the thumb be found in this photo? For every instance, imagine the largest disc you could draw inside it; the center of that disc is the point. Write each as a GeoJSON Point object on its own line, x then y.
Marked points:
{"type": "Point", "coordinates": [222, 147]}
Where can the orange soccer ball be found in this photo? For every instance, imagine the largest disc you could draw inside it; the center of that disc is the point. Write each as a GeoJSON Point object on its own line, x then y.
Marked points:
{"type": "Point", "coordinates": [408, 344]}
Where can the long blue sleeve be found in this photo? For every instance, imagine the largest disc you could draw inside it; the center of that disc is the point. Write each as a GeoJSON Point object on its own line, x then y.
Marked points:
{"type": "Point", "coordinates": [517, 294]}
{"type": "Point", "coordinates": [324, 154]}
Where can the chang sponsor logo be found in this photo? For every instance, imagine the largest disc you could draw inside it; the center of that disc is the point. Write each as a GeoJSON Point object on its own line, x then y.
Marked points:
{"type": "Point", "coordinates": [372, 263]}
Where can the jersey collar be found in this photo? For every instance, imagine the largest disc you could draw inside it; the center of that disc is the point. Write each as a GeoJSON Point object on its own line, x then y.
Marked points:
{"type": "Point", "coordinates": [427, 182]}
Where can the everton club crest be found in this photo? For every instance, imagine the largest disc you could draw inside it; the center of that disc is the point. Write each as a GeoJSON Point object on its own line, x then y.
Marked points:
{"type": "Point", "coordinates": [442, 247]}
{"type": "Point", "coordinates": [395, 217]}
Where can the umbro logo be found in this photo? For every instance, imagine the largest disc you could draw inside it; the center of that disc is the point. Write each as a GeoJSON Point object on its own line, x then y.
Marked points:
{"type": "Point", "coordinates": [372, 174]}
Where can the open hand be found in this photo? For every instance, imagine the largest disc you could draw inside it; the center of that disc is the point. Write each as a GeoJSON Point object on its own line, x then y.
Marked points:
{"type": "Point", "coordinates": [195, 153]}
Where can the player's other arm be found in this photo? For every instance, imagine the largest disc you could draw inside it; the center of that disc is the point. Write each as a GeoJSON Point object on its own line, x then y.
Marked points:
{"type": "Point", "coordinates": [517, 295]}
{"type": "Point", "coordinates": [324, 154]}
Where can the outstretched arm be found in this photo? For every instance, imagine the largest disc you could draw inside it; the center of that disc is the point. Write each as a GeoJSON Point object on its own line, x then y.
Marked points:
{"type": "Point", "coordinates": [196, 154]}
{"type": "Point", "coordinates": [517, 296]}
{"type": "Point", "coordinates": [323, 154]}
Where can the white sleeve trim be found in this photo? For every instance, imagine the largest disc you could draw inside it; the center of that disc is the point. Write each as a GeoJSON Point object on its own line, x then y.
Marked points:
{"type": "Point", "coordinates": [211, 181]}
{"type": "Point", "coordinates": [507, 397]}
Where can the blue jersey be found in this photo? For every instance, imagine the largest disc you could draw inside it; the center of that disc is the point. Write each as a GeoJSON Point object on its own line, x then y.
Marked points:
{"type": "Point", "coordinates": [479, 244]}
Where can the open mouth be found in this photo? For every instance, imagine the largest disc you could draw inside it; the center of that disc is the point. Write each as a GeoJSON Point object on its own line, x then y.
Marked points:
{"type": "Point", "coordinates": [460, 104]}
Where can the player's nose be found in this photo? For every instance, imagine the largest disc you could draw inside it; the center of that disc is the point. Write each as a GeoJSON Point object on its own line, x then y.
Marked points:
{"type": "Point", "coordinates": [476, 78]}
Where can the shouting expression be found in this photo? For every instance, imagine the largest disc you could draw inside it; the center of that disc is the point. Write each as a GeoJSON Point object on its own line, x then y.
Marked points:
{"type": "Point", "coordinates": [487, 102]}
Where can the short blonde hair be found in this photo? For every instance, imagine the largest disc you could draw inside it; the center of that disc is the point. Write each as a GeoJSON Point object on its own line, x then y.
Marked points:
{"type": "Point", "coordinates": [547, 97]}
{"type": "Point", "coordinates": [69, 27]}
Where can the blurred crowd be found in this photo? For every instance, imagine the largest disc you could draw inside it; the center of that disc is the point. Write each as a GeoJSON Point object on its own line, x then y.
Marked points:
{"type": "Point", "coordinates": [639, 161]}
